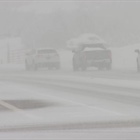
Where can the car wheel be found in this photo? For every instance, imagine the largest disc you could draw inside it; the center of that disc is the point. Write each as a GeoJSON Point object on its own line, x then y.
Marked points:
{"type": "Point", "coordinates": [57, 66]}
{"type": "Point", "coordinates": [49, 68]}
{"type": "Point", "coordinates": [75, 67]}
{"type": "Point", "coordinates": [101, 66]}
{"type": "Point", "coordinates": [108, 66]}
{"type": "Point", "coordinates": [27, 67]}
{"type": "Point", "coordinates": [34, 67]}
{"type": "Point", "coordinates": [84, 67]}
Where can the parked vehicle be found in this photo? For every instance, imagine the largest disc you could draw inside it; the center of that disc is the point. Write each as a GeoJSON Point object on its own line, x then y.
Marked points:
{"type": "Point", "coordinates": [97, 56]}
{"type": "Point", "coordinates": [42, 57]}
{"type": "Point", "coordinates": [138, 59]}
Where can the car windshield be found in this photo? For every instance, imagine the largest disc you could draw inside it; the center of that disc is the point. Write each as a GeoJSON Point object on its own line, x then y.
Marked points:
{"type": "Point", "coordinates": [70, 69]}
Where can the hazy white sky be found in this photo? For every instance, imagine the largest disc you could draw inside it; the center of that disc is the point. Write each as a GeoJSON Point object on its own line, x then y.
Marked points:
{"type": "Point", "coordinates": [116, 22]}
{"type": "Point", "coordinates": [51, 6]}
{"type": "Point", "coordinates": [48, 7]}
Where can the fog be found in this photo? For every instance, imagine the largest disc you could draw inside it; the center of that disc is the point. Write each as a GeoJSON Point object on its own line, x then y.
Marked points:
{"type": "Point", "coordinates": [70, 68]}
{"type": "Point", "coordinates": [53, 24]}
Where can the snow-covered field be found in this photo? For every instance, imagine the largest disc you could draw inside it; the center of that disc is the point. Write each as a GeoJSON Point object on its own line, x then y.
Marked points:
{"type": "Point", "coordinates": [124, 58]}
{"type": "Point", "coordinates": [66, 59]}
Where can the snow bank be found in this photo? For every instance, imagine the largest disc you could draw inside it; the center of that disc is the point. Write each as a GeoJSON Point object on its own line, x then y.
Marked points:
{"type": "Point", "coordinates": [124, 58]}
{"type": "Point", "coordinates": [10, 67]}
{"type": "Point", "coordinates": [66, 59]}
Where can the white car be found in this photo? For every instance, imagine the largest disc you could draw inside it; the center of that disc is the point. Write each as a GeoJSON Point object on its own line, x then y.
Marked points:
{"type": "Point", "coordinates": [42, 57]}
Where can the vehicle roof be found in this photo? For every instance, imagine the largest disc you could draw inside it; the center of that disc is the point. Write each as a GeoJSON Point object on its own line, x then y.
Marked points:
{"type": "Point", "coordinates": [98, 45]}
{"type": "Point", "coordinates": [44, 49]}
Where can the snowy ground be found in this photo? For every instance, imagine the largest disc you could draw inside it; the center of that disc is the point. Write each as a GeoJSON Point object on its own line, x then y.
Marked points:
{"type": "Point", "coordinates": [63, 104]}
{"type": "Point", "coordinates": [114, 77]}
{"type": "Point", "coordinates": [102, 134]}
{"type": "Point", "coordinates": [70, 106]}
{"type": "Point", "coordinates": [93, 96]}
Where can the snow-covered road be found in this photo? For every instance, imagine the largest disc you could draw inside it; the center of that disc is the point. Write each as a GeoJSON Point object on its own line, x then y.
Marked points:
{"type": "Point", "coordinates": [36, 100]}
{"type": "Point", "coordinates": [66, 101]}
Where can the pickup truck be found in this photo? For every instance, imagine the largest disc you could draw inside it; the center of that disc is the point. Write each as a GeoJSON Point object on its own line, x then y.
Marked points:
{"type": "Point", "coordinates": [96, 56]}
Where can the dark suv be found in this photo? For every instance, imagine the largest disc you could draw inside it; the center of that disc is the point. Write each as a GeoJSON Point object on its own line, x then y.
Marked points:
{"type": "Point", "coordinates": [96, 56]}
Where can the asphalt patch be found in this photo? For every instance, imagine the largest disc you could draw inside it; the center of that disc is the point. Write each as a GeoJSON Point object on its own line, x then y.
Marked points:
{"type": "Point", "coordinates": [28, 104]}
